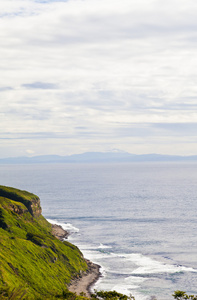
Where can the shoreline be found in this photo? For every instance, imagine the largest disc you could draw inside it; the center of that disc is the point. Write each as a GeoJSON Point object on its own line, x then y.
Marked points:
{"type": "Point", "coordinates": [84, 282]}
{"type": "Point", "coordinates": [59, 232]}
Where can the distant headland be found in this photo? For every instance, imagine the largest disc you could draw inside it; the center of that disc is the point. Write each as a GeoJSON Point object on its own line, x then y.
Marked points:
{"type": "Point", "coordinates": [98, 157]}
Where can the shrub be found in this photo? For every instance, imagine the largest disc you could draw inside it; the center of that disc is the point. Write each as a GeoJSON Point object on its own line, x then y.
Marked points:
{"type": "Point", "coordinates": [180, 295]}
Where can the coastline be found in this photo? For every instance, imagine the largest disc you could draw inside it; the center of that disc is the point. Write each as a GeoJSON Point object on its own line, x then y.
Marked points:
{"type": "Point", "coordinates": [59, 232]}
{"type": "Point", "coordinates": [84, 282]}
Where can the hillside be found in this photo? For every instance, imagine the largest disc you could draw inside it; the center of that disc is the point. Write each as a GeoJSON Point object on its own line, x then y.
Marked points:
{"type": "Point", "coordinates": [31, 258]}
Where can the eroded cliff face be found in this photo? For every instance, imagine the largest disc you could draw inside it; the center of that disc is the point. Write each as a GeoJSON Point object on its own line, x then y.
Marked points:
{"type": "Point", "coordinates": [18, 209]}
{"type": "Point", "coordinates": [31, 201]}
{"type": "Point", "coordinates": [34, 207]}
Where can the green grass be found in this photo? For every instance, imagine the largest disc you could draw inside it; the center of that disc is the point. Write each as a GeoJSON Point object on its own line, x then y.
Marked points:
{"type": "Point", "coordinates": [31, 201]}
{"type": "Point", "coordinates": [31, 258]}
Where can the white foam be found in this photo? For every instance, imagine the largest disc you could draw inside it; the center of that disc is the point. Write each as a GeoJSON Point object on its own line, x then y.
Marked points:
{"type": "Point", "coordinates": [66, 226]}
{"type": "Point", "coordinates": [139, 296]}
{"type": "Point", "coordinates": [93, 255]}
{"type": "Point", "coordinates": [134, 280]}
{"type": "Point", "coordinates": [129, 266]}
{"type": "Point", "coordinates": [136, 263]}
{"type": "Point", "coordinates": [129, 286]}
{"type": "Point", "coordinates": [101, 246]}
{"type": "Point", "coordinates": [147, 265]}
{"type": "Point", "coordinates": [121, 289]}
{"type": "Point", "coordinates": [141, 264]}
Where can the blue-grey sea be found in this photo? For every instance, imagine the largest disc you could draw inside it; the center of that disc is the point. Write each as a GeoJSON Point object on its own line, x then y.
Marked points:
{"type": "Point", "coordinates": [138, 221]}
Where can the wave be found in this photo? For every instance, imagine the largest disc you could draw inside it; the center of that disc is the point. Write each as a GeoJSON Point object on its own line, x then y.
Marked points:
{"type": "Point", "coordinates": [147, 265]}
{"type": "Point", "coordinates": [101, 246]}
{"type": "Point", "coordinates": [123, 272]}
{"type": "Point", "coordinates": [129, 264]}
{"type": "Point", "coordinates": [66, 226]}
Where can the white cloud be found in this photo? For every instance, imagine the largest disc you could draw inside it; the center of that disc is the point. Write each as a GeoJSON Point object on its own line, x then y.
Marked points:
{"type": "Point", "coordinates": [30, 152]}
{"type": "Point", "coordinates": [83, 69]}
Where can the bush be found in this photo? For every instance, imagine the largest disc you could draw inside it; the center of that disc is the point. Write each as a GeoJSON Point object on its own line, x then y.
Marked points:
{"type": "Point", "coordinates": [103, 295]}
{"type": "Point", "coordinates": [180, 295]}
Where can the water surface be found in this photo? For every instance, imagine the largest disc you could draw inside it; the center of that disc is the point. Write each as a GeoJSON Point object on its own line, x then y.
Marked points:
{"type": "Point", "coordinates": [137, 220]}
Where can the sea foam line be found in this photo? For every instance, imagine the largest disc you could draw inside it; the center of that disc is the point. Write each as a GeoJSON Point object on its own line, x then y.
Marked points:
{"type": "Point", "coordinates": [147, 265]}
{"type": "Point", "coordinates": [66, 226]}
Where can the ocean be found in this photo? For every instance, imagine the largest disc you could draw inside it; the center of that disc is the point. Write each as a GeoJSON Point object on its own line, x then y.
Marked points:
{"type": "Point", "coordinates": [136, 220]}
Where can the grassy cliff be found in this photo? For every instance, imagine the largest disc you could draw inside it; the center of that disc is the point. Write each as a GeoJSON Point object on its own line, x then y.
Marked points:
{"type": "Point", "coordinates": [31, 258]}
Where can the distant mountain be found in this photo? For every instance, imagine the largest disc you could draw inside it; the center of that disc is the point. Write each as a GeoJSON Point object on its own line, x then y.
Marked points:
{"type": "Point", "coordinates": [97, 157]}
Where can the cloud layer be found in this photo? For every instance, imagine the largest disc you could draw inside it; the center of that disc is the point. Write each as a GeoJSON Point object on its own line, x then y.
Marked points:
{"type": "Point", "coordinates": [93, 75]}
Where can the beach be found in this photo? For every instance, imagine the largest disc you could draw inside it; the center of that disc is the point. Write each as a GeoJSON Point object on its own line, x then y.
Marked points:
{"type": "Point", "coordinates": [84, 282]}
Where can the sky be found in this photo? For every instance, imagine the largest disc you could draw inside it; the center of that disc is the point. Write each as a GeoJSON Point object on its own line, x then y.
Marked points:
{"type": "Point", "coordinates": [98, 75]}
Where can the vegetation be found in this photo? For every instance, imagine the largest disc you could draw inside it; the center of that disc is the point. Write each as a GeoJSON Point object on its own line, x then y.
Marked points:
{"type": "Point", "coordinates": [103, 295]}
{"type": "Point", "coordinates": [31, 201]}
{"type": "Point", "coordinates": [180, 295]}
{"type": "Point", "coordinates": [34, 264]}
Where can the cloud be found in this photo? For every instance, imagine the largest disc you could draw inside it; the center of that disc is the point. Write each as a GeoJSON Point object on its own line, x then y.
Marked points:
{"type": "Point", "coordinates": [29, 151]}
{"type": "Point", "coordinates": [40, 85]}
{"type": "Point", "coordinates": [181, 129]}
{"type": "Point", "coordinates": [5, 88]}
{"type": "Point", "coordinates": [49, 1]}
{"type": "Point", "coordinates": [103, 72]}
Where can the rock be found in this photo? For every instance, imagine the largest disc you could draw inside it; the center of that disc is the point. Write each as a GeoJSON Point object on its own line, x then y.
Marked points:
{"type": "Point", "coordinates": [31, 201]}
{"type": "Point", "coordinates": [59, 232]}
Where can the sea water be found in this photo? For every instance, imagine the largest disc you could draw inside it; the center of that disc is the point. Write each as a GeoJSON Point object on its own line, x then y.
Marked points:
{"type": "Point", "coordinates": [137, 220]}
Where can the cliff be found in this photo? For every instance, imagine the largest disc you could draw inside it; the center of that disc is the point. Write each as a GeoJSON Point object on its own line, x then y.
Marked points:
{"type": "Point", "coordinates": [32, 259]}
{"type": "Point", "coordinates": [31, 201]}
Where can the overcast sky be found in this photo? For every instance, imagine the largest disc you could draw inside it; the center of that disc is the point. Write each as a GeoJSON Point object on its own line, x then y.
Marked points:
{"type": "Point", "coordinates": [98, 75]}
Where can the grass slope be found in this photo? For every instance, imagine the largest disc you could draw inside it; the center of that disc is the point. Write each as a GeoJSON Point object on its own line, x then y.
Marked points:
{"type": "Point", "coordinates": [30, 256]}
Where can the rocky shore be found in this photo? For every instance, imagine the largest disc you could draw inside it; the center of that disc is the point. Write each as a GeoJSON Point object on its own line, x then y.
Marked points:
{"type": "Point", "coordinates": [59, 232]}
{"type": "Point", "coordinates": [84, 282]}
